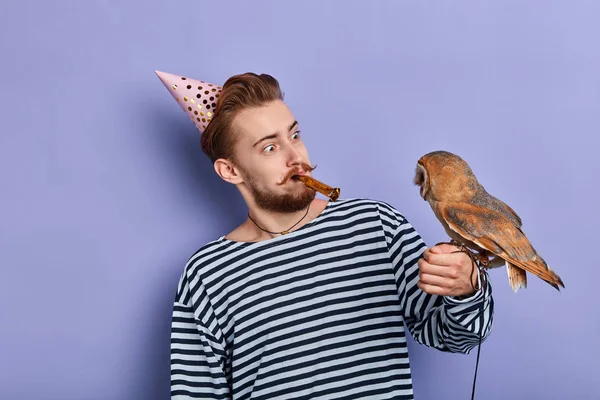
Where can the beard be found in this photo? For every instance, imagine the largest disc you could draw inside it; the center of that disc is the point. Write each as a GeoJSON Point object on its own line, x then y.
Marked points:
{"type": "Point", "coordinates": [282, 203]}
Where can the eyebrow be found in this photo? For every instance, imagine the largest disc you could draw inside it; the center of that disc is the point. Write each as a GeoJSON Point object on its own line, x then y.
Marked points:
{"type": "Point", "coordinates": [274, 135]}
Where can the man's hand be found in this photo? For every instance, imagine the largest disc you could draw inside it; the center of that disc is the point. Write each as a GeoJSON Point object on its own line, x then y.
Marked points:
{"type": "Point", "coordinates": [445, 273]}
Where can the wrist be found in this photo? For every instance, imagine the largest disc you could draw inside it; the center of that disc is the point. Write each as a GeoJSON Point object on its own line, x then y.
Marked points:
{"type": "Point", "coordinates": [477, 286]}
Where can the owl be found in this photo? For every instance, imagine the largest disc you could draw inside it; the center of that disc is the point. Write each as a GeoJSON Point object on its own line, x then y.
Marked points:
{"type": "Point", "coordinates": [479, 221]}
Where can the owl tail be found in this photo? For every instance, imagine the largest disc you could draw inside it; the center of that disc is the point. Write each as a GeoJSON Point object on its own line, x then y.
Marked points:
{"type": "Point", "coordinates": [517, 277]}
{"type": "Point", "coordinates": [536, 266]}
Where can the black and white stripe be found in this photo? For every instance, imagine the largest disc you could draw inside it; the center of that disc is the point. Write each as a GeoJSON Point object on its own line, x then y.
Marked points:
{"type": "Point", "coordinates": [315, 314]}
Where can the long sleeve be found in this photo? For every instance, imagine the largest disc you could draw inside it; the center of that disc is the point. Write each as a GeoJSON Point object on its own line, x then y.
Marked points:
{"type": "Point", "coordinates": [198, 357]}
{"type": "Point", "coordinates": [441, 322]}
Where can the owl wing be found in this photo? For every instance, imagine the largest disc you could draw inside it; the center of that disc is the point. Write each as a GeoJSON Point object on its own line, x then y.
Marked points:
{"type": "Point", "coordinates": [498, 205]}
{"type": "Point", "coordinates": [494, 232]}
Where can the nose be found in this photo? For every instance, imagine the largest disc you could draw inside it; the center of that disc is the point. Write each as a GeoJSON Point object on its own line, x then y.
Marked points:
{"type": "Point", "coordinates": [294, 156]}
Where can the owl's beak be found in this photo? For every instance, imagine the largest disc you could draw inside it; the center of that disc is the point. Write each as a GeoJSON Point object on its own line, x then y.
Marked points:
{"type": "Point", "coordinates": [423, 192]}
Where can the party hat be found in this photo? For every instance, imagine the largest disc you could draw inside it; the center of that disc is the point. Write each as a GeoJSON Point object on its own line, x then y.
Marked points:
{"type": "Point", "coordinates": [197, 98]}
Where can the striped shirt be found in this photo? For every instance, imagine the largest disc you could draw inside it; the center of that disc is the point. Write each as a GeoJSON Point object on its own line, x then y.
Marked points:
{"type": "Point", "coordinates": [319, 313]}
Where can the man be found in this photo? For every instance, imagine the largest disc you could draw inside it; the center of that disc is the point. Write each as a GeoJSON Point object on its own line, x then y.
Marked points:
{"type": "Point", "coordinates": [308, 298]}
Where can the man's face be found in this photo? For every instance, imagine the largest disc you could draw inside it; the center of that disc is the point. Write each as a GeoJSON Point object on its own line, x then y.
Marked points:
{"type": "Point", "coordinates": [269, 150]}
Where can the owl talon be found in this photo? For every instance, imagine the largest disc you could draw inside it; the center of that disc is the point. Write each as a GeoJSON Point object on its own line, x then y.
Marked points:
{"type": "Point", "coordinates": [484, 260]}
{"type": "Point", "coordinates": [453, 243]}
{"type": "Point", "coordinates": [456, 243]}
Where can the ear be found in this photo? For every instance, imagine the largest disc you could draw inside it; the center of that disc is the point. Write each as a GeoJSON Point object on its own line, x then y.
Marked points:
{"type": "Point", "coordinates": [228, 171]}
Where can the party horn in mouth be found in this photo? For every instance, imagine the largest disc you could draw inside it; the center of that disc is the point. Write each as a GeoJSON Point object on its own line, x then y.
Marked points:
{"type": "Point", "coordinates": [332, 193]}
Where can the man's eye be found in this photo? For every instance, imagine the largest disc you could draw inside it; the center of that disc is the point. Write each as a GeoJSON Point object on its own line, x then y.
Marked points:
{"type": "Point", "coordinates": [268, 148]}
{"type": "Point", "coordinates": [296, 135]}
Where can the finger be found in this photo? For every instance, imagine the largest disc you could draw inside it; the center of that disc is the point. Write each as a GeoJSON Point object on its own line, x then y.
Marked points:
{"type": "Point", "coordinates": [431, 269]}
{"type": "Point", "coordinates": [443, 248]}
{"type": "Point", "coordinates": [432, 289]}
{"type": "Point", "coordinates": [435, 280]}
{"type": "Point", "coordinates": [443, 259]}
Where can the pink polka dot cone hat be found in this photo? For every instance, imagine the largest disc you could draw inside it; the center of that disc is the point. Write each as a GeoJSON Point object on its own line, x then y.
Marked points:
{"type": "Point", "coordinates": [197, 98]}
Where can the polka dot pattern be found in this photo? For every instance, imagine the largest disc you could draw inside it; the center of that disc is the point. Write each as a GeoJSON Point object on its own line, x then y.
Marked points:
{"type": "Point", "coordinates": [197, 98]}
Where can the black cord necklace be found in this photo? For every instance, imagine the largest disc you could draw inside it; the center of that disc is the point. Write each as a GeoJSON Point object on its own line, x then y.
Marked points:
{"type": "Point", "coordinates": [282, 232]}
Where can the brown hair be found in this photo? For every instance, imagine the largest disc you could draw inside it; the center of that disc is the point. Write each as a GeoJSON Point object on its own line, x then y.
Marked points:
{"type": "Point", "coordinates": [239, 92]}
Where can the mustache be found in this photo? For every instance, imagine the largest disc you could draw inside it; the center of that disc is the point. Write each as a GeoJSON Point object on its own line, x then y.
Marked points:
{"type": "Point", "coordinates": [303, 167]}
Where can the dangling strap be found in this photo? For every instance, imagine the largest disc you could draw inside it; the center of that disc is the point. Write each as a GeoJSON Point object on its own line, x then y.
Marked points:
{"type": "Point", "coordinates": [483, 259]}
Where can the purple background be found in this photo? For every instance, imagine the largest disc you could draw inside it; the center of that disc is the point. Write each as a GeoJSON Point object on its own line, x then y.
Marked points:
{"type": "Point", "coordinates": [105, 192]}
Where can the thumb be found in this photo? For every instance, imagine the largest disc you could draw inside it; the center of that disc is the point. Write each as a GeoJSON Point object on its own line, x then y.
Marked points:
{"type": "Point", "coordinates": [442, 248]}
{"type": "Point", "coordinates": [436, 249]}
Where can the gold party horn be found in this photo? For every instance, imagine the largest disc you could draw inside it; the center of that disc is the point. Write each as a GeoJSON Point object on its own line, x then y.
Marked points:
{"type": "Point", "coordinates": [332, 193]}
